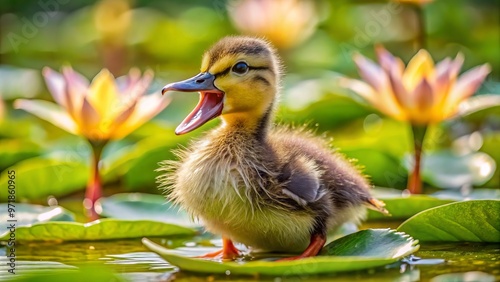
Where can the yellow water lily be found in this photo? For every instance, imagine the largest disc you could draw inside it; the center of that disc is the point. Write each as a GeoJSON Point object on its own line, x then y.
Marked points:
{"type": "Point", "coordinates": [283, 22]}
{"type": "Point", "coordinates": [102, 110]}
{"type": "Point", "coordinates": [422, 93]}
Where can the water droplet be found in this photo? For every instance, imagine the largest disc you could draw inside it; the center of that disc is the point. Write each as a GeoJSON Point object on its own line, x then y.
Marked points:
{"type": "Point", "coordinates": [52, 201]}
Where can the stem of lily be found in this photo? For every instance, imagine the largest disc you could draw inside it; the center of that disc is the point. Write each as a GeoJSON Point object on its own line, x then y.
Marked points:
{"type": "Point", "coordinates": [415, 180]}
{"type": "Point", "coordinates": [94, 186]}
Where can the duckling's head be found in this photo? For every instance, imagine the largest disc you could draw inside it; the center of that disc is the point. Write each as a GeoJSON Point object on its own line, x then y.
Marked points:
{"type": "Point", "coordinates": [239, 81]}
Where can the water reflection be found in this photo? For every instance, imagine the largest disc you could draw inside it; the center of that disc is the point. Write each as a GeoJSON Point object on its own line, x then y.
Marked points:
{"type": "Point", "coordinates": [433, 262]}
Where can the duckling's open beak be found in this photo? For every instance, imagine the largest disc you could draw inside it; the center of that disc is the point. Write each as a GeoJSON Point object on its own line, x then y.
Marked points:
{"type": "Point", "coordinates": [209, 106]}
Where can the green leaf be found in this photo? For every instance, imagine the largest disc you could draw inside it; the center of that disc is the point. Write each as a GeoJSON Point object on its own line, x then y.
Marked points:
{"type": "Point", "coordinates": [140, 206]}
{"type": "Point", "coordinates": [372, 243]}
{"type": "Point", "coordinates": [471, 221]}
{"type": "Point", "coordinates": [394, 245]}
{"type": "Point", "coordinates": [344, 111]}
{"type": "Point", "coordinates": [83, 274]}
{"type": "Point", "coordinates": [138, 163]}
{"type": "Point", "coordinates": [26, 214]}
{"type": "Point", "coordinates": [380, 166]}
{"type": "Point", "coordinates": [406, 207]}
{"type": "Point", "coordinates": [38, 177]}
{"type": "Point", "coordinates": [16, 150]}
{"type": "Point", "coordinates": [104, 229]}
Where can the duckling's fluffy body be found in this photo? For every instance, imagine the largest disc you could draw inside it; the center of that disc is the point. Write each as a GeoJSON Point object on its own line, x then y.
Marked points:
{"type": "Point", "coordinates": [270, 188]}
{"type": "Point", "coordinates": [238, 186]}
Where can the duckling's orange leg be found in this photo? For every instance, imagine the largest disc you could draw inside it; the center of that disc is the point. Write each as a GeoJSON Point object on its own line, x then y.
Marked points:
{"type": "Point", "coordinates": [229, 251]}
{"type": "Point", "coordinates": [317, 242]}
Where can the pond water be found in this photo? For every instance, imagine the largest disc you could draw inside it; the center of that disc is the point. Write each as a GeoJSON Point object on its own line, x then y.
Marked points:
{"type": "Point", "coordinates": [433, 262]}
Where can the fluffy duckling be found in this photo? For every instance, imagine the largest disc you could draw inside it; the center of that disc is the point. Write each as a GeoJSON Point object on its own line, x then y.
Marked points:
{"type": "Point", "coordinates": [270, 188]}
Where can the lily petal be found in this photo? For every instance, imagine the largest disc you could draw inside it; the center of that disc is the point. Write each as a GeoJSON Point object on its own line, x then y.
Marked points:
{"type": "Point", "coordinates": [400, 92]}
{"type": "Point", "coordinates": [443, 67]}
{"type": "Point", "coordinates": [76, 89]}
{"type": "Point", "coordinates": [456, 65]}
{"type": "Point", "coordinates": [121, 126]}
{"type": "Point", "coordinates": [124, 82]}
{"type": "Point", "coordinates": [388, 62]}
{"type": "Point", "coordinates": [361, 88]}
{"type": "Point", "coordinates": [421, 65]}
{"type": "Point", "coordinates": [49, 112]}
{"type": "Point", "coordinates": [371, 73]}
{"type": "Point", "coordinates": [138, 88]}
{"type": "Point", "coordinates": [56, 85]}
{"type": "Point", "coordinates": [385, 103]}
{"type": "Point", "coordinates": [93, 127]}
{"type": "Point", "coordinates": [146, 108]}
{"type": "Point", "coordinates": [468, 83]}
{"type": "Point", "coordinates": [423, 97]}
{"type": "Point", "coordinates": [103, 93]}
{"type": "Point", "coordinates": [446, 76]}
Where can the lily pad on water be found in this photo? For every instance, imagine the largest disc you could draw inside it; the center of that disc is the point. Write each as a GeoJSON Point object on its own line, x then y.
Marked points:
{"type": "Point", "coordinates": [374, 248]}
{"type": "Point", "coordinates": [26, 214]}
{"type": "Point", "coordinates": [83, 273]}
{"type": "Point", "coordinates": [104, 229]}
{"type": "Point", "coordinates": [38, 177]}
{"type": "Point", "coordinates": [141, 206]}
{"type": "Point", "coordinates": [471, 221]}
{"type": "Point", "coordinates": [404, 206]}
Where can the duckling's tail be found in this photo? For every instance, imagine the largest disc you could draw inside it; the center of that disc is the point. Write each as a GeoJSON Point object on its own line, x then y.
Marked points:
{"type": "Point", "coordinates": [377, 205]}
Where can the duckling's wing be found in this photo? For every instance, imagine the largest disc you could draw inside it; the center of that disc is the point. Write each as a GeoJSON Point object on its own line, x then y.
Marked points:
{"type": "Point", "coordinates": [303, 183]}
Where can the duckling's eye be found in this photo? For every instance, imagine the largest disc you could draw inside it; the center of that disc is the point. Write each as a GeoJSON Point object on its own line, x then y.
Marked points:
{"type": "Point", "coordinates": [240, 68]}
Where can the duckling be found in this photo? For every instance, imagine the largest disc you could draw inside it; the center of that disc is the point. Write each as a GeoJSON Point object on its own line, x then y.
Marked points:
{"type": "Point", "coordinates": [270, 188]}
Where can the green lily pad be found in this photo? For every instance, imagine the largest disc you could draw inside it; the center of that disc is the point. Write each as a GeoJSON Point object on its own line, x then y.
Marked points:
{"type": "Point", "coordinates": [26, 214]}
{"type": "Point", "coordinates": [26, 268]}
{"type": "Point", "coordinates": [83, 273]}
{"type": "Point", "coordinates": [104, 229]}
{"type": "Point", "coordinates": [404, 207]}
{"type": "Point", "coordinates": [471, 221]}
{"type": "Point", "coordinates": [38, 177]}
{"type": "Point", "coordinates": [141, 206]}
{"type": "Point", "coordinates": [380, 166]}
{"type": "Point", "coordinates": [16, 150]}
{"type": "Point", "coordinates": [390, 246]}
{"type": "Point", "coordinates": [372, 243]}
{"type": "Point", "coordinates": [137, 164]}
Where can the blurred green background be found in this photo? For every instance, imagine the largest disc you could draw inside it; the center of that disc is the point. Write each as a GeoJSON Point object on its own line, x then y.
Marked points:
{"type": "Point", "coordinates": [169, 37]}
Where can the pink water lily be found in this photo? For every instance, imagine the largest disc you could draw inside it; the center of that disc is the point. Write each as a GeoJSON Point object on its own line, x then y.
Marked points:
{"type": "Point", "coordinates": [103, 110]}
{"type": "Point", "coordinates": [421, 94]}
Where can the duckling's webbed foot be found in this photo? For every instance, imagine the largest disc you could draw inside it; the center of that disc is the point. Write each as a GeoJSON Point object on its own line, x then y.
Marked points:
{"type": "Point", "coordinates": [228, 251]}
{"type": "Point", "coordinates": [317, 243]}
